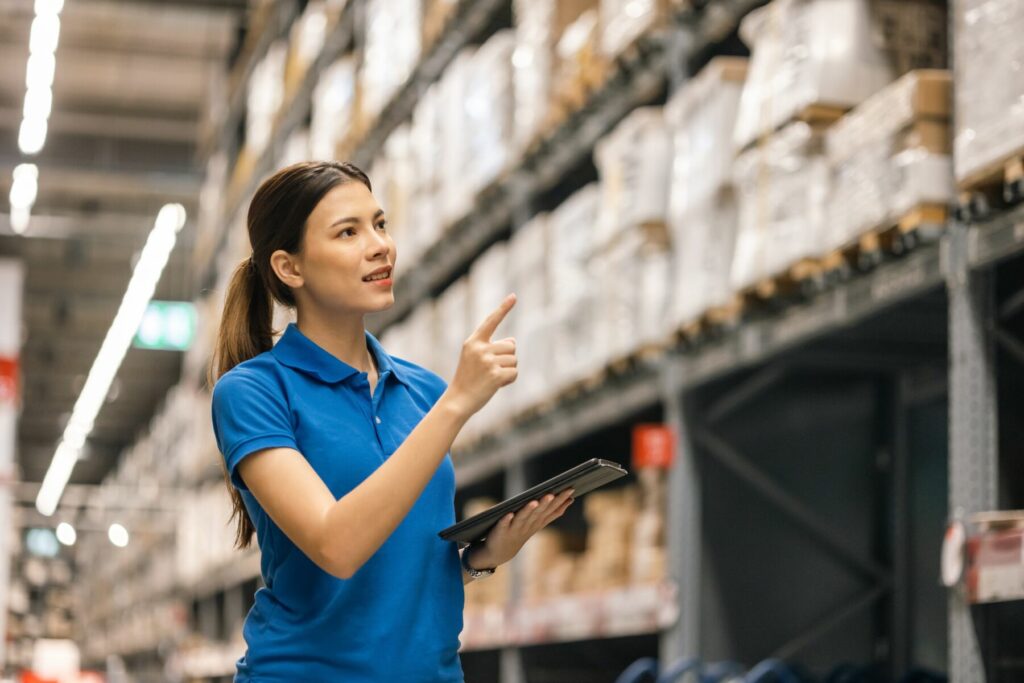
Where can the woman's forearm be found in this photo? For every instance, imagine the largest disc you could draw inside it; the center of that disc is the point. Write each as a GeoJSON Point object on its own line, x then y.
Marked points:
{"type": "Point", "coordinates": [358, 524]}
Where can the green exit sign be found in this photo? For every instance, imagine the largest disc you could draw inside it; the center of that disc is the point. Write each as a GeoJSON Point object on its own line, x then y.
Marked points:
{"type": "Point", "coordinates": [167, 325]}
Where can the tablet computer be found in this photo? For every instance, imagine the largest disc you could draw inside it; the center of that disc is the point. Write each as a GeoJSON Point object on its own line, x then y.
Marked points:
{"type": "Point", "coordinates": [583, 478]}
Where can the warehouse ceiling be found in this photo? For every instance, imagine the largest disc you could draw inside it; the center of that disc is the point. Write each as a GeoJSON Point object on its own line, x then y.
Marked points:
{"type": "Point", "coordinates": [133, 87]}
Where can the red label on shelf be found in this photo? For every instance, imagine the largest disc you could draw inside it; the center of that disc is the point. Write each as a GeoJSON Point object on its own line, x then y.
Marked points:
{"type": "Point", "coordinates": [653, 446]}
{"type": "Point", "coordinates": [8, 380]}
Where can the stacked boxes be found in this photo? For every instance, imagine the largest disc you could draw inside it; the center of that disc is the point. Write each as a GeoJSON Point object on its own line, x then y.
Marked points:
{"type": "Point", "coordinates": [428, 150]}
{"type": "Point", "coordinates": [989, 85]}
{"type": "Point", "coordinates": [890, 155]}
{"type": "Point", "coordinates": [783, 186]}
{"type": "Point", "coordinates": [623, 21]}
{"type": "Point", "coordinates": [539, 25]}
{"type": "Point", "coordinates": [454, 326]}
{"type": "Point", "coordinates": [494, 591]}
{"type": "Point", "coordinates": [542, 552]}
{"type": "Point", "coordinates": [487, 277]}
{"type": "Point", "coordinates": [528, 253]}
{"type": "Point", "coordinates": [305, 42]}
{"type": "Point", "coordinates": [575, 303]}
{"type": "Point", "coordinates": [264, 98]}
{"type": "Point", "coordinates": [488, 111]}
{"type": "Point", "coordinates": [647, 558]}
{"type": "Point", "coordinates": [391, 51]}
{"type": "Point", "coordinates": [831, 52]}
{"type": "Point", "coordinates": [702, 205]}
{"type": "Point", "coordinates": [334, 113]}
{"type": "Point", "coordinates": [456, 187]}
{"type": "Point", "coordinates": [611, 517]}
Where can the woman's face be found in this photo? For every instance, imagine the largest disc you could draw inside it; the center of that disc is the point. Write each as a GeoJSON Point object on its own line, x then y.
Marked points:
{"type": "Point", "coordinates": [347, 242]}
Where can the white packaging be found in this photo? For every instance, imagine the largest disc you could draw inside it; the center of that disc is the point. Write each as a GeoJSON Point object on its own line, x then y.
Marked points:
{"type": "Point", "coordinates": [832, 52]}
{"type": "Point", "coordinates": [391, 51]}
{"type": "Point", "coordinates": [456, 191]}
{"type": "Point", "coordinates": [332, 108]}
{"type": "Point", "coordinates": [989, 67]}
{"type": "Point", "coordinates": [623, 21]}
{"type": "Point", "coordinates": [453, 326]}
{"type": "Point", "coordinates": [782, 188]}
{"type": "Point", "coordinates": [265, 96]}
{"type": "Point", "coordinates": [633, 164]}
{"type": "Point", "coordinates": [889, 155]}
{"type": "Point", "coordinates": [488, 279]}
{"type": "Point", "coordinates": [489, 110]}
{"type": "Point", "coordinates": [573, 227]}
{"type": "Point", "coordinates": [702, 210]}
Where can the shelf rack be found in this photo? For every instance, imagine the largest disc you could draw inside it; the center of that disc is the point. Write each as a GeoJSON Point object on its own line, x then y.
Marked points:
{"type": "Point", "coordinates": [960, 263]}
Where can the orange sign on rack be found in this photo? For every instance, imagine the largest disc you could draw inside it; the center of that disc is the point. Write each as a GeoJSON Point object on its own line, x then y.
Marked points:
{"type": "Point", "coordinates": [8, 380]}
{"type": "Point", "coordinates": [653, 446]}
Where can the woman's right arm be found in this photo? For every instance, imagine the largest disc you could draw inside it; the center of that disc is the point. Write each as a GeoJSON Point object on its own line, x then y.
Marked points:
{"type": "Point", "coordinates": [341, 535]}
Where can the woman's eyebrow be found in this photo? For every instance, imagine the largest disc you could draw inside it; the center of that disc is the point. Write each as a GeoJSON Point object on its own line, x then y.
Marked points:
{"type": "Point", "coordinates": [355, 219]}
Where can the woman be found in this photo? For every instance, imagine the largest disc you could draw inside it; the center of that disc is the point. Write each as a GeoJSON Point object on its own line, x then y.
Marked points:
{"type": "Point", "coordinates": [336, 453]}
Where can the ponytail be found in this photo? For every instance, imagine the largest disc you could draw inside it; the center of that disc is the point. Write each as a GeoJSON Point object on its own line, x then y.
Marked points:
{"type": "Point", "coordinates": [245, 332]}
{"type": "Point", "coordinates": [276, 220]}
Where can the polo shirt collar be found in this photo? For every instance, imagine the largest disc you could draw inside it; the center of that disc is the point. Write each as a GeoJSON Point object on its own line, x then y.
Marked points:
{"type": "Point", "coordinates": [299, 352]}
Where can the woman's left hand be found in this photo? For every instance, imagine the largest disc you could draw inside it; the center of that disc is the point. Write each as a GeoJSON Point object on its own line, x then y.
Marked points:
{"type": "Point", "coordinates": [514, 529]}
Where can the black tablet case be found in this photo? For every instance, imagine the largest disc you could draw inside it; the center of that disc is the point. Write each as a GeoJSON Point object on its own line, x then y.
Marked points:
{"type": "Point", "coordinates": [583, 478]}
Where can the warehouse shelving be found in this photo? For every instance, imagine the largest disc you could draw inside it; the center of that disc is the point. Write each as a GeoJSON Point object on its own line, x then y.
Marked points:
{"type": "Point", "coordinates": [742, 356]}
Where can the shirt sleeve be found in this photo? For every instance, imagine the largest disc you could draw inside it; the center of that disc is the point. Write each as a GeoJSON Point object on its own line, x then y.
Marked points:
{"type": "Point", "coordinates": [249, 414]}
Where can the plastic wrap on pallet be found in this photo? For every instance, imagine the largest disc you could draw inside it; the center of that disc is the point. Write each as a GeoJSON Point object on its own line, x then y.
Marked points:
{"type": "Point", "coordinates": [831, 52]}
{"type": "Point", "coordinates": [577, 55]}
{"type": "Point", "coordinates": [391, 51]}
{"type": "Point", "coordinates": [572, 226]}
{"type": "Point", "coordinates": [528, 251]}
{"type": "Point", "coordinates": [539, 25]}
{"type": "Point", "coordinates": [394, 189]}
{"type": "Point", "coordinates": [489, 110]}
{"type": "Point", "coordinates": [333, 108]}
{"type": "Point", "coordinates": [305, 41]}
{"type": "Point", "coordinates": [702, 211]}
{"type": "Point", "coordinates": [989, 65]}
{"type": "Point", "coordinates": [427, 145]}
{"type": "Point", "coordinates": [264, 98]}
{"type": "Point", "coordinates": [782, 188]}
{"type": "Point", "coordinates": [456, 190]}
{"type": "Point", "coordinates": [633, 164]}
{"type": "Point", "coordinates": [453, 310]}
{"type": "Point", "coordinates": [623, 21]}
{"type": "Point", "coordinates": [891, 155]}
{"type": "Point", "coordinates": [488, 280]}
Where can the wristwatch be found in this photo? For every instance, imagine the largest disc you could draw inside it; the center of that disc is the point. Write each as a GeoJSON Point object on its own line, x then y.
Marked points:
{"type": "Point", "coordinates": [474, 573]}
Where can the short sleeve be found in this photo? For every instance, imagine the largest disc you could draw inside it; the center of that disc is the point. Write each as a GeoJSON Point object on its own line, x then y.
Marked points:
{"type": "Point", "coordinates": [249, 414]}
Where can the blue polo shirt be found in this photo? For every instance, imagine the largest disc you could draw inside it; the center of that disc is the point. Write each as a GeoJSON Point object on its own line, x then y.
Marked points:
{"type": "Point", "coordinates": [400, 616]}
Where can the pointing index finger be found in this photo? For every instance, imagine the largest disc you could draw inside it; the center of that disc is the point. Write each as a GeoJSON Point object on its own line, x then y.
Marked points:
{"type": "Point", "coordinates": [491, 322]}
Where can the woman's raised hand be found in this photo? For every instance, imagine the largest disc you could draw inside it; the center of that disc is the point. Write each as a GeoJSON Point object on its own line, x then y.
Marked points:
{"type": "Point", "coordinates": [484, 365]}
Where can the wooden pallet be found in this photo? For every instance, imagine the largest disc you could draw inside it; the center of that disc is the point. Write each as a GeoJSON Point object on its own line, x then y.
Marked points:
{"type": "Point", "coordinates": [999, 185]}
{"type": "Point", "coordinates": [818, 116]}
{"type": "Point", "coordinates": [890, 239]}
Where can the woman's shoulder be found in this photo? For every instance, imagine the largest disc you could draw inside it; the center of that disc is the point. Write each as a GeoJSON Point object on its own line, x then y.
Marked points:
{"type": "Point", "coordinates": [257, 373]}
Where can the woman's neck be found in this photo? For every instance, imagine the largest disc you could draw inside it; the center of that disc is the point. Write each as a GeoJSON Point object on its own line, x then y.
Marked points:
{"type": "Point", "coordinates": [345, 338]}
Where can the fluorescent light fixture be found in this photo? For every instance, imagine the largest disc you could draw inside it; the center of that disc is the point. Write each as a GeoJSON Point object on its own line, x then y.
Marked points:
{"type": "Point", "coordinates": [38, 103]}
{"type": "Point", "coordinates": [118, 535]}
{"type": "Point", "coordinates": [66, 533]}
{"type": "Point", "coordinates": [40, 69]}
{"type": "Point", "coordinates": [25, 185]}
{"type": "Point", "coordinates": [115, 345]}
{"type": "Point", "coordinates": [44, 34]}
{"type": "Point", "coordinates": [49, 6]}
{"type": "Point", "coordinates": [32, 135]}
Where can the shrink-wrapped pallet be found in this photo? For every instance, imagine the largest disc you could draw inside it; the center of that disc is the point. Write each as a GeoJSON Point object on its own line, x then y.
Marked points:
{"type": "Point", "coordinates": [890, 155]}
{"type": "Point", "coordinates": [529, 320]}
{"type": "Point", "coordinates": [453, 326]}
{"type": "Point", "coordinates": [623, 21]}
{"type": "Point", "coordinates": [391, 51]}
{"type": "Point", "coordinates": [264, 97]}
{"type": "Point", "coordinates": [702, 208]}
{"type": "Point", "coordinates": [989, 64]}
{"type": "Point", "coordinates": [333, 110]}
{"type": "Point", "coordinates": [831, 52]}
{"type": "Point", "coordinates": [782, 188]}
{"type": "Point", "coordinates": [572, 229]}
{"type": "Point", "coordinates": [305, 41]}
{"type": "Point", "coordinates": [633, 163]}
{"type": "Point", "coordinates": [488, 279]}
{"type": "Point", "coordinates": [489, 111]}
{"type": "Point", "coordinates": [539, 25]}
{"type": "Point", "coordinates": [456, 188]}
{"type": "Point", "coordinates": [394, 189]}
{"type": "Point", "coordinates": [427, 146]}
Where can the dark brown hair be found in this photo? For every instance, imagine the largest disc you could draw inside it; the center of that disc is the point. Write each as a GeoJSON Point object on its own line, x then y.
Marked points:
{"type": "Point", "coordinates": [276, 220]}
